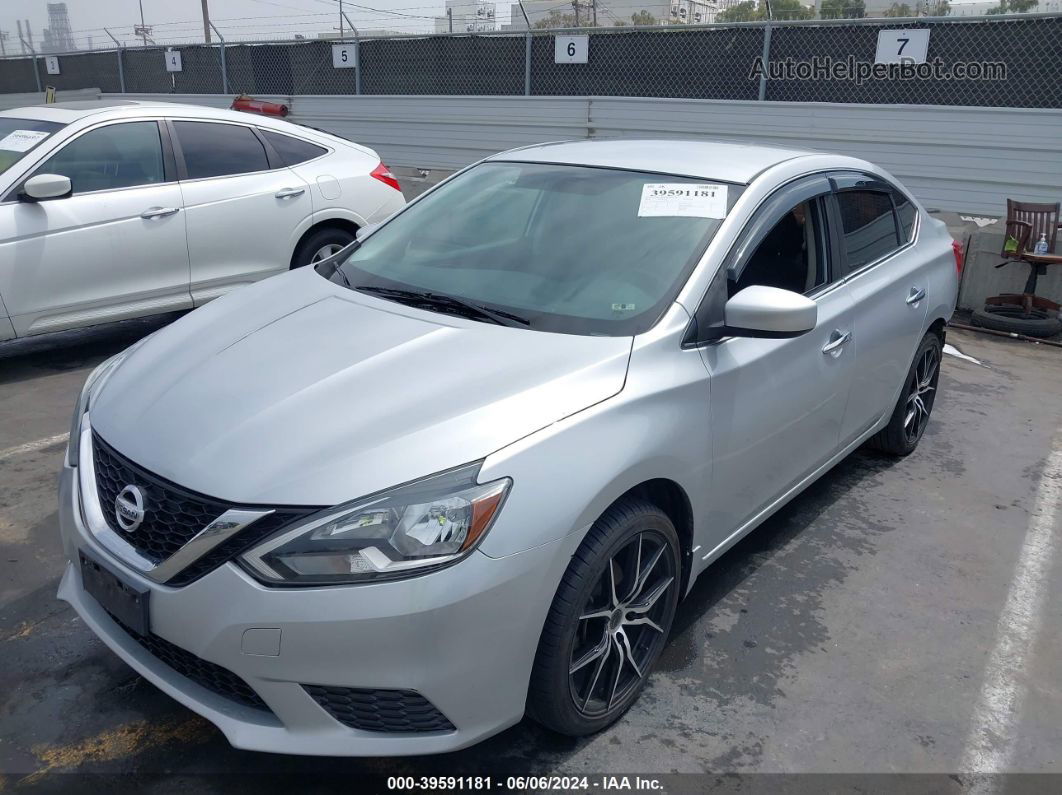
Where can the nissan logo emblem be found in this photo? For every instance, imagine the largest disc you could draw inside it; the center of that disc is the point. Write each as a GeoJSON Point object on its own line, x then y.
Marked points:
{"type": "Point", "coordinates": [129, 508]}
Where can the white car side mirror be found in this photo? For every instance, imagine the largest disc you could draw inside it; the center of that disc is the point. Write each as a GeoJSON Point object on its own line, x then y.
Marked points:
{"type": "Point", "coordinates": [760, 311]}
{"type": "Point", "coordinates": [365, 231]}
{"type": "Point", "coordinates": [47, 186]}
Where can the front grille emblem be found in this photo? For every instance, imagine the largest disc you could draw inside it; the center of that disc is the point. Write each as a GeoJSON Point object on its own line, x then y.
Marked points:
{"type": "Point", "coordinates": [129, 508]}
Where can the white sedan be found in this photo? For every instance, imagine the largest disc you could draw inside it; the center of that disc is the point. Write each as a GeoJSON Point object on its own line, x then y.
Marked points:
{"type": "Point", "coordinates": [115, 209]}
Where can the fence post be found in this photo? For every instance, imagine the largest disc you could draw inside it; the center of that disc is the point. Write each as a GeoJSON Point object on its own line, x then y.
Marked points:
{"type": "Point", "coordinates": [224, 67]}
{"type": "Point", "coordinates": [121, 71]}
{"type": "Point", "coordinates": [765, 59]}
{"type": "Point", "coordinates": [357, 63]}
{"type": "Point", "coordinates": [527, 64]}
{"type": "Point", "coordinates": [36, 73]}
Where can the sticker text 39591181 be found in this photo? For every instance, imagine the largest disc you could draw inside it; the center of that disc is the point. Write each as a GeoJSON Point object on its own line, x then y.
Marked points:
{"type": "Point", "coordinates": [683, 199]}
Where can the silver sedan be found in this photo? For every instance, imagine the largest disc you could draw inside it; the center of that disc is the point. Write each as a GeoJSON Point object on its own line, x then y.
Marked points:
{"type": "Point", "coordinates": [467, 467]}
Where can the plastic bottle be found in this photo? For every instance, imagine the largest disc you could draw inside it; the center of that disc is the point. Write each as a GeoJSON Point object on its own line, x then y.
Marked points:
{"type": "Point", "coordinates": [1041, 245]}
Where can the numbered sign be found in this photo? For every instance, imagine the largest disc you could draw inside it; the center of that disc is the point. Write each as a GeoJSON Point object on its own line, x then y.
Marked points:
{"type": "Point", "coordinates": [343, 56]}
{"type": "Point", "coordinates": [902, 46]}
{"type": "Point", "coordinates": [173, 61]}
{"type": "Point", "coordinates": [571, 49]}
{"type": "Point", "coordinates": [51, 64]}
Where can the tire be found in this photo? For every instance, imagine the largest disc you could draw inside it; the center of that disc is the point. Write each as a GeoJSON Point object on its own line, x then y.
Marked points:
{"type": "Point", "coordinates": [1039, 323]}
{"type": "Point", "coordinates": [627, 537]}
{"type": "Point", "coordinates": [312, 249]}
{"type": "Point", "coordinates": [901, 436]}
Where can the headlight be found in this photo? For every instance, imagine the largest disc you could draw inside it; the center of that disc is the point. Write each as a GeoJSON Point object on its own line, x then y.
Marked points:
{"type": "Point", "coordinates": [96, 378]}
{"type": "Point", "coordinates": [92, 385]}
{"type": "Point", "coordinates": [420, 526]}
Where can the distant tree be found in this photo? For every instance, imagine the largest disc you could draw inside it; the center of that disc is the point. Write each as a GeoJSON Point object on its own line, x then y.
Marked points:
{"type": "Point", "coordinates": [643, 18]}
{"type": "Point", "coordinates": [741, 12]}
{"type": "Point", "coordinates": [898, 10]}
{"type": "Point", "coordinates": [940, 9]}
{"type": "Point", "coordinates": [1013, 7]}
{"type": "Point", "coordinates": [842, 9]}
{"type": "Point", "coordinates": [787, 9]}
{"type": "Point", "coordinates": [555, 19]}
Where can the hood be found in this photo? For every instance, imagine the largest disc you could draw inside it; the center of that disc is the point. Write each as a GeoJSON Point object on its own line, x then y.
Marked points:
{"type": "Point", "coordinates": [297, 391]}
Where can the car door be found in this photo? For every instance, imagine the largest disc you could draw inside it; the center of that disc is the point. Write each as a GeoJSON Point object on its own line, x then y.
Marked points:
{"type": "Point", "coordinates": [242, 205]}
{"type": "Point", "coordinates": [888, 280]}
{"type": "Point", "coordinates": [776, 406]}
{"type": "Point", "coordinates": [114, 248]}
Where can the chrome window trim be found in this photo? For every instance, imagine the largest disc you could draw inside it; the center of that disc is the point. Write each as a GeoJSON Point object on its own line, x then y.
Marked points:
{"type": "Point", "coordinates": [222, 528]}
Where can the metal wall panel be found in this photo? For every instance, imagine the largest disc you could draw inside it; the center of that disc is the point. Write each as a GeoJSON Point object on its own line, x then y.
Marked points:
{"type": "Point", "coordinates": [960, 159]}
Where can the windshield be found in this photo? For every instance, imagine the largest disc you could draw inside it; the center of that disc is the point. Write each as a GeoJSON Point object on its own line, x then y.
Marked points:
{"type": "Point", "coordinates": [571, 249]}
{"type": "Point", "coordinates": [19, 136]}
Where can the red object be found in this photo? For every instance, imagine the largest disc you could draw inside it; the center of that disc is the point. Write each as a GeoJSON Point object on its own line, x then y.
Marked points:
{"type": "Point", "coordinates": [252, 105]}
{"type": "Point", "coordinates": [383, 173]}
{"type": "Point", "coordinates": [956, 248]}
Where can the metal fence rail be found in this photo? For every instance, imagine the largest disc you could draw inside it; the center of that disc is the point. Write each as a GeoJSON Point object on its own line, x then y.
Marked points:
{"type": "Point", "coordinates": [709, 62]}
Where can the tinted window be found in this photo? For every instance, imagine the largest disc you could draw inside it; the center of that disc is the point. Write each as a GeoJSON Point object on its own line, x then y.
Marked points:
{"type": "Point", "coordinates": [906, 212]}
{"type": "Point", "coordinates": [571, 249]}
{"type": "Point", "coordinates": [19, 136]}
{"type": "Point", "coordinates": [790, 256]}
{"type": "Point", "coordinates": [116, 156]}
{"type": "Point", "coordinates": [292, 150]}
{"type": "Point", "coordinates": [214, 150]}
{"type": "Point", "coordinates": [868, 224]}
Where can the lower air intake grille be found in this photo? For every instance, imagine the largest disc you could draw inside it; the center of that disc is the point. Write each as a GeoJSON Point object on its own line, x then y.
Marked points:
{"type": "Point", "coordinates": [392, 711]}
{"type": "Point", "coordinates": [204, 673]}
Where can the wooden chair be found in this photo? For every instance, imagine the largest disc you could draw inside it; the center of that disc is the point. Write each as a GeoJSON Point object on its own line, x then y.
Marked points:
{"type": "Point", "coordinates": [1026, 223]}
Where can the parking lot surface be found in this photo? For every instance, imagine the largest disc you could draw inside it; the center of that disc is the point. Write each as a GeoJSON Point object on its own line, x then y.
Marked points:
{"type": "Point", "coordinates": [900, 615]}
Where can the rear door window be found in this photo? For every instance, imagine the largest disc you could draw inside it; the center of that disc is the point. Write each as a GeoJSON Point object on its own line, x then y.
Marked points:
{"type": "Point", "coordinates": [868, 226]}
{"type": "Point", "coordinates": [217, 150]}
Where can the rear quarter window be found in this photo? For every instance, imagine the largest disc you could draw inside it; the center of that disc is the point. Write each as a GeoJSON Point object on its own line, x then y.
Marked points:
{"type": "Point", "coordinates": [906, 212]}
{"type": "Point", "coordinates": [292, 151]}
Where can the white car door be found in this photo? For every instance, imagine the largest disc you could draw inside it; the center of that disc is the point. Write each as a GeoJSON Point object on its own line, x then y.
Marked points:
{"type": "Point", "coordinates": [776, 406]}
{"type": "Point", "coordinates": [889, 281]}
{"type": "Point", "coordinates": [115, 248]}
{"type": "Point", "coordinates": [242, 209]}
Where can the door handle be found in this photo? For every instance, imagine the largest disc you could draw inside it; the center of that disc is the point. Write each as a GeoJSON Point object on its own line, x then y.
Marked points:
{"type": "Point", "coordinates": [159, 212]}
{"type": "Point", "coordinates": [836, 343]}
{"type": "Point", "coordinates": [287, 193]}
{"type": "Point", "coordinates": [917, 294]}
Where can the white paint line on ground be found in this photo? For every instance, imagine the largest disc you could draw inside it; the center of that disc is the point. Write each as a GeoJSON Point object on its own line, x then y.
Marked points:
{"type": "Point", "coordinates": [32, 447]}
{"type": "Point", "coordinates": [951, 350]}
{"type": "Point", "coordinates": [990, 745]}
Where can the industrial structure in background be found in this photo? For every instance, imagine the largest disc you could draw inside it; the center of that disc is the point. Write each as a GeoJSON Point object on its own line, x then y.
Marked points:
{"type": "Point", "coordinates": [468, 16]}
{"type": "Point", "coordinates": [594, 13]}
{"type": "Point", "coordinates": [58, 36]}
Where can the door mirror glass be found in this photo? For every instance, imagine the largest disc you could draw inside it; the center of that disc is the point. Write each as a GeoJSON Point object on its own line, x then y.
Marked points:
{"type": "Point", "coordinates": [47, 186]}
{"type": "Point", "coordinates": [761, 311]}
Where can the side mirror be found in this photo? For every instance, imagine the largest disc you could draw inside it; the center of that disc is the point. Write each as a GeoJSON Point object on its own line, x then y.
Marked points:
{"type": "Point", "coordinates": [759, 311]}
{"type": "Point", "coordinates": [365, 231]}
{"type": "Point", "coordinates": [46, 186]}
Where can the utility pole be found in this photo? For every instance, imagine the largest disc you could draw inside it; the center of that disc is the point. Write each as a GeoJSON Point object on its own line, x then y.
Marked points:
{"type": "Point", "coordinates": [206, 20]}
{"type": "Point", "coordinates": [29, 36]}
{"type": "Point", "coordinates": [143, 27]}
{"type": "Point", "coordinates": [593, 5]}
{"type": "Point", "coordinates": [340, 19]}
{"type": "Point", "coordinates": [450, 18]}
{"type": "Point", "coordinates": [575, 5]}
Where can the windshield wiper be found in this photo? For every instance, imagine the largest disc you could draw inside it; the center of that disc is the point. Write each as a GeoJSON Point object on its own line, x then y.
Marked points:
{"type": "Point", "coordinates": [443, 302]}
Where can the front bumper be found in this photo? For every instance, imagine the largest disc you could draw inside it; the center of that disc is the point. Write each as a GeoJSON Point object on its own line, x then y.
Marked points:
{"type": "Point", "coordinates": [463, 637]}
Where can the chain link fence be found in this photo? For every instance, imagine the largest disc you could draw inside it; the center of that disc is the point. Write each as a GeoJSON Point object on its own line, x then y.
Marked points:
{"type": "Point", "coordinates": [994, 61]}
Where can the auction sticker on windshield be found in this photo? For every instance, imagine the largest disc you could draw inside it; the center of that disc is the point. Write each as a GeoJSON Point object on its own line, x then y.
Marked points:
{"type": "Point", "coordinates": [682, 199]}
{"type": "Point", "coordinates": [22, 140]}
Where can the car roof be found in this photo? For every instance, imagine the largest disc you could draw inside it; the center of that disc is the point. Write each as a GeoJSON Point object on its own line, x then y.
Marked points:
{"type": "Point", "coordinates": [69, 112]}
{"type": "Point", "coordinates": [717, 160]}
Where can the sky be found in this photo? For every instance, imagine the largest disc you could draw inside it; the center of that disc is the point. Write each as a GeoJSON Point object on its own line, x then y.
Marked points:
{"type": "Point", "coordinates": [180, 21]}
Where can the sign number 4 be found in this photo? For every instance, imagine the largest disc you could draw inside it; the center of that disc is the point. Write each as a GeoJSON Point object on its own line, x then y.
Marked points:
{"type": "Point", "coordinates": [173, 61]}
